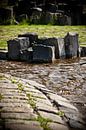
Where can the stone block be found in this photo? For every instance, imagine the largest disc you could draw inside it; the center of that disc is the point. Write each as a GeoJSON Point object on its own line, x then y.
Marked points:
{"type": "Point", "coordinates": [71, 45]}
{"type": "Point", "coordinates": [52, 117]}
{"type": "Point", "coordinates": [25, 125]}
{"type": "Point", "coordinates": [36, 15]}
{"type": "Point", "coordinates": [50, 42]}
{"type": "Point", "coordinates": [27, 115]}
{"type": "Point", "coordinates": [3, 55]}
{"type": "Point", "coordinates": [33, 37]}
{"type": "Point", "coordinates": [43, 53]}
{"type": "Point", "coordinates": [57, 126]}
{"type": "Point", "coordinates": [60, 101]}
{"type": "Point", "coordinates": [26, 55]}
{"type": "Point", "coordinates": [49, 18]}
{"type": "Point", "coordinates": [15, 46]}
{"type": "Point", "coordinates": [83, 51]}
{"type": "Point", "coordinates": [77, 125]}
{"type": "Point", "coordinates": [61, 47]}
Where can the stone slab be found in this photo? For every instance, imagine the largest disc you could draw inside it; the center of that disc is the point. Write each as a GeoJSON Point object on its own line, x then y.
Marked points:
{"type": "Point", "coordinates": [71, 45]}
{"type": "Point", "coordinates": [26, 55]}
{"type": "Point", "coordinates": [3, 55]}
{"type": "Point", "coordinates": [15, 46]}
{"type": "Point", "coordinates": [43, 101]}
{"type": "Point", "coordinates": [83, 51]}
{"type": "Point", "coordinates": [61, 47]}
{"type": "Point", "coordinates": [50, 42]}
{"type": "Point", "coordinates": [13, 100]}
{"type": "Point", "coordinates": [55, 126]}
{"type": "Point", "coordinates": [46, 108]}
{"type": "Point", "coordinates": [77, 125]}
{"type": "Point", "coordinates": [43, 53]}
{"type": "Point", "coordinates": [52, 117]}
{"type": "Point", "coordinates": [14, 104]}
{"type": "Point", "coordinates": [17, 109]}
{"type": "Point", "coordinates": [8, 85]}
{"type": "Point", "coordinates": [61, 102]}
{"type": "Point", "coordinates": [33, 37]}
{"type": "Point", "coordinates": [27, 116]}
{"type": "Point", "coordinates": [31, 125]}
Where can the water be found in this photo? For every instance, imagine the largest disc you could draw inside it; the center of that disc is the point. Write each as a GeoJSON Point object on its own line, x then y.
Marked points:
{"type": "Point", "coordinates": [67, 77]}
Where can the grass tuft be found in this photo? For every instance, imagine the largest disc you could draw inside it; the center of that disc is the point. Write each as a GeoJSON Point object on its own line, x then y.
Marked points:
{"type": "Point", "coordinates": [44, 122]}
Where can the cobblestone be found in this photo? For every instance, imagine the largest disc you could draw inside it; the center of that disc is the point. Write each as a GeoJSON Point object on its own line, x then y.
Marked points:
{"type": "Point", "coordinates": [23, 101]}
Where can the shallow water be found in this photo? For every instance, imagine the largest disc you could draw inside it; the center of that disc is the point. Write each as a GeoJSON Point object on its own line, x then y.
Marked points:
{"type": "Point", "coordinates": [65, 77]}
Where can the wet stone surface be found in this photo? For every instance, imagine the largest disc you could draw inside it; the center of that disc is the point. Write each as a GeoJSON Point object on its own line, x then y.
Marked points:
{"type": "Point", "coordinates": [66, 78]}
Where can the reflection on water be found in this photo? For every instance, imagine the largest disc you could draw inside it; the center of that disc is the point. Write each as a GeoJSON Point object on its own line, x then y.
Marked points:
{"type": "Point", "coordinates": [66, 77]}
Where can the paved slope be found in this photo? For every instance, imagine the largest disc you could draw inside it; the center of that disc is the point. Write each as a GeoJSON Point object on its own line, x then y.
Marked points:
{"type": "Point", "coordinates": [25, 104]}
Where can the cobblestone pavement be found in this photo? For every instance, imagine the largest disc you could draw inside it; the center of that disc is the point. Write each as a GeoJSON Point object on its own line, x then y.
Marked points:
{"type": "Point", "coordinates": [26, 104]}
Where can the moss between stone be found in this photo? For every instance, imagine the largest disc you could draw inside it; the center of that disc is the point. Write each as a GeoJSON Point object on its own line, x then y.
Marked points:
{"type": "Point", "coordinates": [44, 122]}
{"type": "Point", "coordinates": [31, 100]}
{"type": "Point", "coordinates": [60, 113]}
{"type": "Point", "coordinates": [20, 87]}
{"type": "Point", "coordinates": [2, 77]}
{"type": "Point", "coordinates": [13, 81]}
{"type": "Point", "coordinates": [1, 97]}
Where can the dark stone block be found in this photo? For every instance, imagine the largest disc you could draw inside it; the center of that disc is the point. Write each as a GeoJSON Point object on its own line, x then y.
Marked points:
{"type": "Point", "coordinates": [3, 55]}
{"type": "Point", "coordinates": [50, 42]}
{"type": "Point", "coordinates": [71, 45]}
{"type": "Point", "coordinates": [33, 37]}
{"type": "Point", "coordinates": [83, 51]}
{"type": "Point", "coordinates": [17, 45]}
{"type": "Point", "coordinates": [43, 53]}
{"type": "Point", "coordinates": [26, 55]}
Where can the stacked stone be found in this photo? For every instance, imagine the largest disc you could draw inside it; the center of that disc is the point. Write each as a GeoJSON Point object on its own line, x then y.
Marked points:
{"type": "Point", "coordinates": [27, 47]}
{"type": "Point", "coordinates": [27, 55]}
{"type": "Point", "coordinates": [50, 42]}
{"type": "Point", "coordinates": [33, 37]}
{"type": "Point", "coordinates": [43, 53]}
{"type": "Point", "coordinates": [57, 43]}
{"type": "Point", "coordinates": [16, 47]}
{"type": "Point", "coordinates": [20, 48]}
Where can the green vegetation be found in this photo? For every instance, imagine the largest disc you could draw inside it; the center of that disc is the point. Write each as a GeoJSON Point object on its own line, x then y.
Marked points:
{"type": "Point", "coordinates": [12, 31]}
{"type": "Point", "coordinates": [20, 87]}
{"type": "Point", "coordinates": [13, 81]}
{"type": "Point", "coordinates": [1, 97]}
{"type": "Point", "coordinates": [44, 122]}
{"type": "Point", "coordinates": [60, 113]}
{"type": "Point", "coordinates": [1, 77]}
{"type": "Point", "coordinates": [31, 100]}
